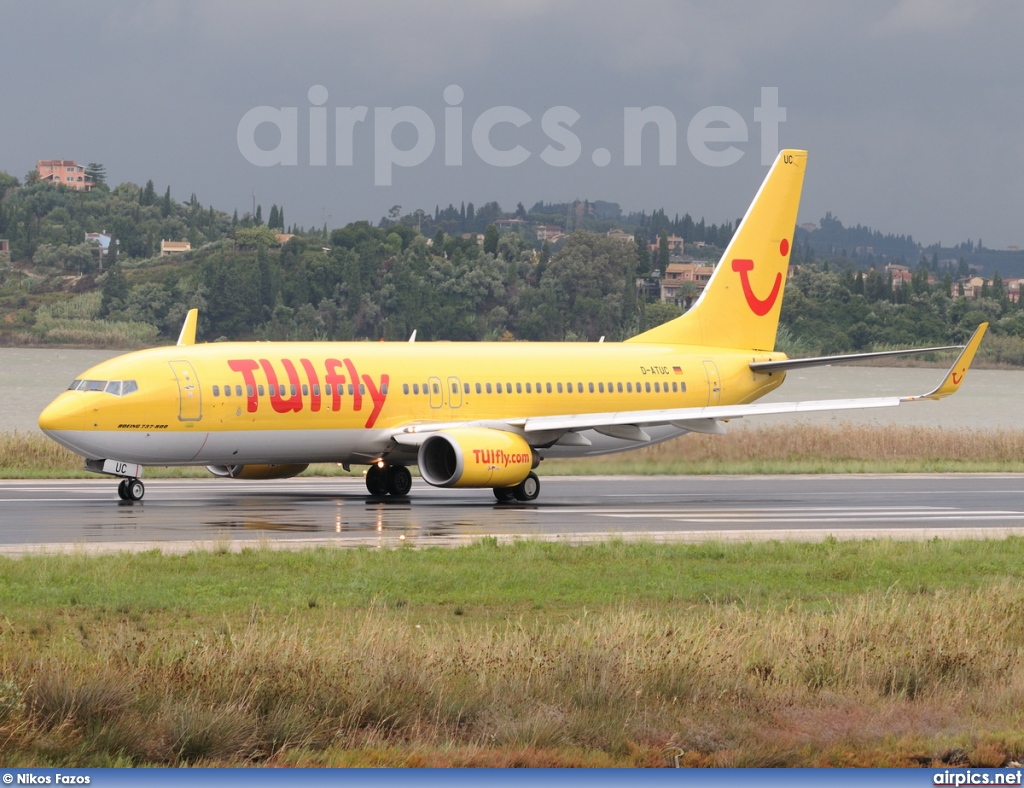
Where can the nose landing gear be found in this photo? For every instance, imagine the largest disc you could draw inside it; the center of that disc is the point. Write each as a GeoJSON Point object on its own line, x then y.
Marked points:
{"type": "Point", "coordinates": [131, 490]}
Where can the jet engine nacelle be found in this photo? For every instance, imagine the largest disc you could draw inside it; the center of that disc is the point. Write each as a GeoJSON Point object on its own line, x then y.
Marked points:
{"type": "Point", "coordinates": [475, 457]}
{"type": "Point", "coordinates": [276, 471]}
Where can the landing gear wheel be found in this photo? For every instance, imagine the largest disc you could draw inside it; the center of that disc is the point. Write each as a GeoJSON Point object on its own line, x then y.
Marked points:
{"type": "Point", "coordinates": [375, 481]}
{"type": "Point", "coordinates": [134, 489]}
{"type": "Point", "coordinates": [505, 494]}
{"type": "Point", "coordinates": [528, 489]}
{"type": "Point", "coordinates": [398, 480]}
{"type": "Point", "coordinates": [122, 489]}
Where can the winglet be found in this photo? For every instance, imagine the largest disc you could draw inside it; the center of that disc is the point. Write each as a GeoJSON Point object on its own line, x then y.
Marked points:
{"type": "Point", "coordinates": [188, 328]}
{"type": "Point", "coordinates": [955, 376]}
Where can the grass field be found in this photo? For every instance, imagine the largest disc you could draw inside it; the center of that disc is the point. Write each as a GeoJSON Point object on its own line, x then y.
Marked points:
{"type": "Point", "coordinates": [784, 449]}
{"type": "Point", "coordinates": [835, 654]}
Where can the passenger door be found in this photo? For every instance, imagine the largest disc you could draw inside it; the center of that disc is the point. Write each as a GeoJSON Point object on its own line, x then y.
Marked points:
{"type": "Point", "coordinates": [189, 394]}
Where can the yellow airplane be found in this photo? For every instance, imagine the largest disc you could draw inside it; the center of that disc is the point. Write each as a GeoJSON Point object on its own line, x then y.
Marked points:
{"type": "Point", "coordinates": [473, 414]}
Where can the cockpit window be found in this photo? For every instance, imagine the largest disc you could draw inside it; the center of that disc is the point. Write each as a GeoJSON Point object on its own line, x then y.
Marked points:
{"type": "Point", "coordinates": [119, 388]}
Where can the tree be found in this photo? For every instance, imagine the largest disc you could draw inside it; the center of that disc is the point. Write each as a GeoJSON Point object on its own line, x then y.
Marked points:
{"type": "Point", "coordinates": [148, 195]}
{"type": "Point", "coordinates": [663, 251]}
{"type": "Point", "coordinates": [165, 209]}
{"type": "Point", "coordinates": [643, 255]}
{"type": "Point", "coordinates": [96, 172]}
{"type": "Point", "coordinates": [491, 239]}
{"type": "Point", "coordinates": [111, 253]}
{"type": "Point", "coordinates": [254, 237]}
{"type": "Point", "coordinates": [115, 292]}
{"type": "Point", "coordinates": [272, 221]}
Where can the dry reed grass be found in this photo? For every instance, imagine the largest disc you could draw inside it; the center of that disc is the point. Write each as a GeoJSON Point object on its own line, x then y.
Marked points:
{"type": "Point", "coordinates": [822, 444]}
{"type": "Point", "coordinates": [781, 449]}
{"type": "Point", "coordinates": [882, 679]}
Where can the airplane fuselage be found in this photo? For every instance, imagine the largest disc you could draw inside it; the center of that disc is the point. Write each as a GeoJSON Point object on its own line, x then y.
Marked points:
{"type": "Point", "coordinates": [299, 402]}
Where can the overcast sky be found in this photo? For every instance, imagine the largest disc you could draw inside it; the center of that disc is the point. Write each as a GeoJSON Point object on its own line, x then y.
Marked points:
{"type": "Point", "coordinates": [912, 110]}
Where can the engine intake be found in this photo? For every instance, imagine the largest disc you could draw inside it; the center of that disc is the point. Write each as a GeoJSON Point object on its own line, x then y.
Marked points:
{"type": "Point", "coordinates": [475, 457]}
{"type": "Point", "coordinates": [275, 471]}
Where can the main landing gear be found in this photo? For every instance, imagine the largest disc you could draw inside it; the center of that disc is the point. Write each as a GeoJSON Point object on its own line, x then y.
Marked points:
{"type": "Point", "coordinates": [131, 490]}
{"type": "Point", "coordinates": [527, 490]}
{"type": "Point", "coordinates": [395, 480]}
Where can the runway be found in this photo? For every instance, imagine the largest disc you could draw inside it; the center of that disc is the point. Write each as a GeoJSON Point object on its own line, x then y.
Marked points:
{"type": "Point", "coordinates": [178, 515]}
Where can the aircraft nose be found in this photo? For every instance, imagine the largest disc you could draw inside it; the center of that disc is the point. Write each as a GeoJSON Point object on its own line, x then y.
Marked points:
{"type": "Point", "coordinates": [64, 413]}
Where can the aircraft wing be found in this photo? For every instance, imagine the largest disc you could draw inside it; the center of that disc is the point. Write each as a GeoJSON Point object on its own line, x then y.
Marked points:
{"type": "Point", "coordinates": [629, 424]}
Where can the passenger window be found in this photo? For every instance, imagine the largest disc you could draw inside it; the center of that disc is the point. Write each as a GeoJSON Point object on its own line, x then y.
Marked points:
{"type": "Point", "coordinates": [682, 387]}
{"type": "Point", "coordinates": [273, 390]}
{"type": "Point", "coordinates": [384, 389]}
{"type": "Point", "coordinates": [657, 387]}
{"type": "Point", "coordinates": [405, 388]}
{"type": "Point", "coordinates": [549, 388]}
{"type": "Point", "coordinates": [619, 387]}
{"type": "Point", "coordinates": [497, 388]}
{"type": "Point", "coordinates": [519, 388]}
{"type": "Point", "coordinates": [351, 391]}
{"type": "Point", "coordinates": [568, 387]}
{"type": "Point", "coordinates": [600, 387]}
{"type": "Point", "coordinates": [415, 388]}
{"type": "Point", "coordinates": [590, 386]}
{"type": "Point", "coordinates": [227, 391]}
{"type": "Point", "coordinates": [579, 387]}
{"type": "Point", "coordinates": [477, 388]}
{"type": "Point", "coordinates": [488, 388]}
{"type": "Point", "coordinates": [216, 391]}
{"type": "Point", "coordinates": [328, 390]}
{"type": "Point", "coordinates": [465, 388]}
{"type": "Point", "coordinates": [291, 388]}
{"type": "Point", "coordinates": [629, 387]}
{"type": "Point", "coordinates": [508, 388]}
{"type": "Point", "coordinates": [305, 390]}
{"type": "Point", "coordinates": [559, 387]}
{"type": "Point", "coordinates": [529, 389]}
{"type": "Point", "coordinates": [455, 388]}
{"type": "Point", "coordinates": [316, 390]}
{"type": "Point", "coordinates": [362, 389]}
{"type": "Point", "coordinates": [248, 391]}
{"type": "Point", "coordinates": [647, 387]}
{"type": "Point", "coordinates": [538, 388]}
{"type": "Point", "coordinates": [259, 389]}
{"type": "Point", "coordinates": [673, 387]}
{"type": "Point", "coordinates": [238, 391]}
{"type": "Point", "coordinates": [437, 389]}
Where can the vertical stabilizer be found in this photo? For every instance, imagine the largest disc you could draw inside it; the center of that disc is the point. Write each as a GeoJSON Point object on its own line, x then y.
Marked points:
{"type": "Point", "coordinates": [740, 305]}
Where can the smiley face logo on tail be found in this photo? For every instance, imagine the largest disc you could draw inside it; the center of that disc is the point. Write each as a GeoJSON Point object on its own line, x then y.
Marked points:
{"type": "Point", "coordinates": [759, 306]}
